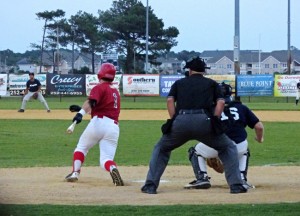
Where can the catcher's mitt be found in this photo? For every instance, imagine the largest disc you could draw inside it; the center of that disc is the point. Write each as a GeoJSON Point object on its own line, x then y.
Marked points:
{"type": "Point", "coordinates": [74, 108]}
{"type": "Point", "coordinates": [216, 164]}
{"type": "Point", "coordinates": [35, 95]}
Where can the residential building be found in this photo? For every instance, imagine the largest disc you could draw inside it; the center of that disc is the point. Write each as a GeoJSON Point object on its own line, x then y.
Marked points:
{"type": "Point", "coordinates": [251, 61]}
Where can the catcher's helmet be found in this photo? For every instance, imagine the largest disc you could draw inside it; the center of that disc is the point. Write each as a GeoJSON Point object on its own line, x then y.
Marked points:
{"type": "Point", "coordinates": [196, 64]}
{"type": "Point", "coordinates": [107, 71]}
{"type": "Point", "coordinates": [227, 91]}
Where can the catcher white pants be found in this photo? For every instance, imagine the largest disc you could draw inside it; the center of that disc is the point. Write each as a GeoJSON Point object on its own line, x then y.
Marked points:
{"type": "Point", "coordinates": [205, 151]}
{"type": "Point", "coordinates": [103, 131]}
{"type": "Point", "coordinates": [208, 152]}
{"type": "Point", "coordinates": [40, 98]}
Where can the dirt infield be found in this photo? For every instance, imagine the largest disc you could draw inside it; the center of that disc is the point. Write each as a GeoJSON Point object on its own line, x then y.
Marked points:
{"type": "Point", "coordinates": [42, 185]}
{"type": "Point", "coordinates": [281, 116]}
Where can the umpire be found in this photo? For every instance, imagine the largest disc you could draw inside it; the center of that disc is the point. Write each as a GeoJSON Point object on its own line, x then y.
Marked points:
{"type": "Point", "coordinates": [194, 104]}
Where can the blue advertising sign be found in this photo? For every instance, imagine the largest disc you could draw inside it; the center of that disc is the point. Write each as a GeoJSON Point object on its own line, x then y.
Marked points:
{"type": "Point", "coordinates": [254, 85]}
{"type": "Point", "coordinates": [165, 83]}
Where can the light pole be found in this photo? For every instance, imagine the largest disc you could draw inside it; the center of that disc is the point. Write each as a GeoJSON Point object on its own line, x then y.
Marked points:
{"type": "Point", "coordinates": [236, 49]}
{"type": "Point", "coordinates": [147, 35]}
{"type": "Point", "coordinates": [289, 61]}
{"type": "Point", "coordinates": [259, 56]}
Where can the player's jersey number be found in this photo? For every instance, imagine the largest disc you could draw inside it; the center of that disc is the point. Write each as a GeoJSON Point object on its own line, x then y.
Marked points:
{"type": "Point", "coordinates": [233, 112]}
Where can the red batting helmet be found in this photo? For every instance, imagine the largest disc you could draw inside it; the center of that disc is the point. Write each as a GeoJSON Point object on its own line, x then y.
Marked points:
{"type": "Point", "coordinates": [107, 71]}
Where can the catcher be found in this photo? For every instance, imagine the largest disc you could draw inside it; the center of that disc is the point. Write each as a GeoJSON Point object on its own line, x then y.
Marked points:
{"type": "Point", "coordinates": [33, 90]}
{"type": "Point", "coordinates": [238, 117]}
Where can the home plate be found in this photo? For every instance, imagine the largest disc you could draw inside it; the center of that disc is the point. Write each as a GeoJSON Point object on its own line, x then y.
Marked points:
{"type": "Point", "coordinates": [143, 181]}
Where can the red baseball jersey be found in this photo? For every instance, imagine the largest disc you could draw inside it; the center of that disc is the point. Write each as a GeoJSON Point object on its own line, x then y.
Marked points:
{"type": "Point", "coordinates": [108, 101]}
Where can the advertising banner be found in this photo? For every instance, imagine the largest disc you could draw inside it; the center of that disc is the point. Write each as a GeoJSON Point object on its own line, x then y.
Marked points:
{"type": "Point", "coordinates": [66, 84]}
{"type": "Point", "coordinates": [141, 85]}
{"type": "Point", "coordinates": [92, 80]}
{"type": "Point", "coordinates": [17, 83]}
{"type": "Point", "coordinates": [166, 81]}
{"type": "Point", "coordinates": [228, 79]}
{"type": "Point", "coordinates": [255, 85]}
{"type": "Point", "coordinates": [286, 85]}
{"type": "Point", "coordinates": [3, 84]}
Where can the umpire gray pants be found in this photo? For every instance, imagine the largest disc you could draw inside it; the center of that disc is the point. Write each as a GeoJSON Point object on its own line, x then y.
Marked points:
{"type": "Point", "coordinates": [193, 127]}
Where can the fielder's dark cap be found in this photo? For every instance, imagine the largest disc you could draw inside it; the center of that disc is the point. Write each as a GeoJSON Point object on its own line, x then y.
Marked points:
{"type": "Point", "coordinates": [196, 64]}
{"type": "Point", "coordinates": [31, 73]}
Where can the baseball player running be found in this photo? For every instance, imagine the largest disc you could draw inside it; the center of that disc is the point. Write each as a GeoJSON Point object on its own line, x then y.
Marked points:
{"type": "Point", "coordinates": [33, 89]}
{"type": "Point", "coordinates": [239, 117]}
{"type": "Point", "coordinates": [104, 106]}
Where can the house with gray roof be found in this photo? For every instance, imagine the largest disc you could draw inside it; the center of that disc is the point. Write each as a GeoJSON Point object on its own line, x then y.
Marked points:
{"type": "Point", "coordinates": [27, 65]}
{"type": "Point", "coordinates": [251, 61]}
{"type": "Point", "coordinates": [64, 65]}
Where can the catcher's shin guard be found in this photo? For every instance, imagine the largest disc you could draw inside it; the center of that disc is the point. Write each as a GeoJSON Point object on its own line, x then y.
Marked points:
{"type": "Point", "coordinates": [244, 162]}
{"type": "Point", "coordinates": [194, 158]}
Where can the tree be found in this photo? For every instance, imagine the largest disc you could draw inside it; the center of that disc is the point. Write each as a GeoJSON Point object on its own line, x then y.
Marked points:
{"type": "Point", "coordinates": [89, 34]}
{"type": "Point", "coordinates": [125, 28]}
{"type": "Point", "coordinates": [48, 16]}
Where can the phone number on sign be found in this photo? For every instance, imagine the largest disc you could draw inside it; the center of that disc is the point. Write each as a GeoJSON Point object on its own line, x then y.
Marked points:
{"type": "Point", "coordinates": [66, 93]}
{"type": "Point", "coordinates": [21, 92]}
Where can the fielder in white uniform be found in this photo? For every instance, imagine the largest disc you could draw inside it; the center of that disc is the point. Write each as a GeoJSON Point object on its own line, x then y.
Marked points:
{"type": "Point", "coordinates": [103, 129]}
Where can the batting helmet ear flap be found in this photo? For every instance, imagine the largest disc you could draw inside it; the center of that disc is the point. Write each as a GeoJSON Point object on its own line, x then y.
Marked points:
{"type": "Point", "coordinates": [107, 71]}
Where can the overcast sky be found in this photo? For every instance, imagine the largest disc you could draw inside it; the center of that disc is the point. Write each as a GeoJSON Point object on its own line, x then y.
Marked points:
{"type": "Point", "coordinates": [203, 24]}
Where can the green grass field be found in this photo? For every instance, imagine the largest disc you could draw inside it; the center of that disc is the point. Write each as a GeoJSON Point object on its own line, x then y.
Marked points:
{"type": "Point", "coordinates": [63, 102]}
{"type": "Point", "coordinates": [30, 143]}
{"type": "Point", "coordinates": [46, 144]}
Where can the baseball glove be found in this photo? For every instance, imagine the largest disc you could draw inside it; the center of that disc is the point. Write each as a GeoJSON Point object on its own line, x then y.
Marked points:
{"type": "Point", "coordinates": [216, 164]}
{"type": "Point", "coordinates": [74, 108]}
{"type": "Point", "coordinates": [35, 95]}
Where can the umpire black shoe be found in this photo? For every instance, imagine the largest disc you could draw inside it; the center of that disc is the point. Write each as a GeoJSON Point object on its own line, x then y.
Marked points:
{"type": "Point", "coordinates": [21, 110]}
{"type": "Point", "coordinates": [237, 188]}
{"type": "Point", "coordinates": [149, 189]}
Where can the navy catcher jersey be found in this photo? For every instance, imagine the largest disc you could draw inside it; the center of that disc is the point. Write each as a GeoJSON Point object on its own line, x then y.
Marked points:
{"type": "Point", "coordinates": [239, 116]}
{"type": "Point", "coordinates": [33, 86]}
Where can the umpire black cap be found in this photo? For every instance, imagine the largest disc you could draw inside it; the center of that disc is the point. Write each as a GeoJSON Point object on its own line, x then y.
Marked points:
{"type": "Point", "coordinates": [196, 64]}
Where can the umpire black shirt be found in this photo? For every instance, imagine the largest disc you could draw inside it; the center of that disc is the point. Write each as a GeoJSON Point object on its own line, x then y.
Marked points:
{"type": "Point", "coordinates": [195, 92]}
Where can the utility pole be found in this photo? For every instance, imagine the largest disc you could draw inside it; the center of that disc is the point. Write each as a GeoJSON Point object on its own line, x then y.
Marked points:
{"type": "Point", "coordinates": [73, 34]}
{"type": "Point", "coordinates": [57, 50]}
{"type": "Point", "coordinates": [236, 49]}
{"type": "Point", "coordinates": [147, 35]}
{"type": "Point", "coordinates": [259, 56]}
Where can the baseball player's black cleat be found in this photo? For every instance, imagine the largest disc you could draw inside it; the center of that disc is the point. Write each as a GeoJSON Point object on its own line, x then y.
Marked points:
{"type": "Point", "coordinates": [199, 184]}
{"type": "Point", "coordinates": [116, 177]}
{"type": "Point", "coordinates": [237, 188]}
{"type": "Point", "coordinates": [21, 110]}
{"type": "Point", "coordinates": [149, 189]}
